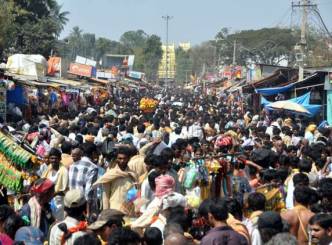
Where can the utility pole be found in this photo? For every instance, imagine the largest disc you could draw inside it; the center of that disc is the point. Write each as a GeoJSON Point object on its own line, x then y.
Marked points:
{"type": "Point", "coordinates": [167, 18]}
{"type": "Point", "coordinates": [302, 46]}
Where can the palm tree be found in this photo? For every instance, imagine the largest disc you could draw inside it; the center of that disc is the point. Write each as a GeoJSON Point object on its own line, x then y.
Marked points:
{"type": "Point", "coordinates": [75, 41]}
{"type": "Point", "coordinates": [60, 18]}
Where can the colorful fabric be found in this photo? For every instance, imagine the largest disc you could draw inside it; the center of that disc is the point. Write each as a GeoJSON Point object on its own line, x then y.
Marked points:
{"type": "Point", "coordinates": [164, 185]}
{"type": "Point", "coordinates": [223, 141]}
{"type": "Point", "coordinates": [274, 198]}
{"type": "Point", "coordinates": [61, 181]}
{"type": "Point", "coordinates": [42, 187]}
{"type": "Point", "coordinates": [35, 214]}
{"type": "Point", "coordinates": [56, 233]}
{"type": "Point", "coordinates": [81, 226]}
{"type": "Point", "coordinates": [5, 239]}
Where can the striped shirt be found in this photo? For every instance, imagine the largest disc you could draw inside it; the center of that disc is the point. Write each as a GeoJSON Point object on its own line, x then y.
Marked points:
{"type": "Point", "coordinates": [82, 174]}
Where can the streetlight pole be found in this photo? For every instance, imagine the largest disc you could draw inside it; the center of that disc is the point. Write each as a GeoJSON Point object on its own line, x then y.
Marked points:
{"type": "Point", "coordinates": [234, 53]}
{"type": "Point", "coordinates": [167, 18]}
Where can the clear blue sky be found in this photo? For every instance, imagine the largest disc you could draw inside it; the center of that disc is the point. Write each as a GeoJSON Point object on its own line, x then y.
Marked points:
{"type": "Point", "coordinates": [193, 20]}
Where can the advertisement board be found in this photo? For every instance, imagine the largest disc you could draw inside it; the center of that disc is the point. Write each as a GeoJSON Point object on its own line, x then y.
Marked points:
{"type": "Point", "coordinates": [119, 61]}
{"type": "Point", "coordinates": [53, 65]}
{"type": "Point", "coordinates": [80, 69]}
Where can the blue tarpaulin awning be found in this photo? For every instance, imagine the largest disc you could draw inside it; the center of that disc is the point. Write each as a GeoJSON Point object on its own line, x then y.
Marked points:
{"type": "Point", "coordinates": [302, 100]}
{"type": "Point", "coordinates": [277, 90]}
{"type": "Point", "coordinates": [272, 91]}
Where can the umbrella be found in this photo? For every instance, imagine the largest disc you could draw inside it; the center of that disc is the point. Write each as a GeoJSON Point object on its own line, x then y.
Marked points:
{"type": "Point", "coordinates": [289, 106]}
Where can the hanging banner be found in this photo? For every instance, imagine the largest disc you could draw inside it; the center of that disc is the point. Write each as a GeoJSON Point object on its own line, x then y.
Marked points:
{"type": "Point", "coordinates": [54, 65]}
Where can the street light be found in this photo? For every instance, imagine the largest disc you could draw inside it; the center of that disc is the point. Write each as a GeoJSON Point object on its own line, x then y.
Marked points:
{"type": "Point", "coordinates": [167, 18]}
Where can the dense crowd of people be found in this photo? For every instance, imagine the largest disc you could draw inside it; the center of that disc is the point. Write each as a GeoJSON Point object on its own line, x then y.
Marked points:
{"type": "Point", "coordinates": [199, 169]}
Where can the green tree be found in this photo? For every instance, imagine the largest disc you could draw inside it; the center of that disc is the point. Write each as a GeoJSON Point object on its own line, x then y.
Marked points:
{"type": "Point", "coordinates": [59, 17]}
{"type": "Point", "coordinates": [133, 39]}
{"type": "Point", "coordinates": [89, 45]}
{"type": "Point", "coordinates": [134, 42]}
{"type": "Point", "coordinates": [103, 45]}
{"type": "Point", "coordinates": [35, 25]}
{"type": "Point", "coordinates": [152, 54]}
{"type": "Point", "coordinates": [184, 65]}
{"type": "Point", "coordinates": [75, 43]}
{"type": "Point", "coordinates": [107, 46]}
{"type": "Point", "coordinates": [5, 25]}
{"type": "Point", "coordinates": [267, 45]}
{"type": "Point", "coordinates": [203, 55]}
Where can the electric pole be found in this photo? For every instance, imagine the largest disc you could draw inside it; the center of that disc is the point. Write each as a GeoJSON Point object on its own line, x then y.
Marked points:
{"type": "Point", "coordinates": [302, 46]}
{"type": "Point", "coordinates": [167, 18]}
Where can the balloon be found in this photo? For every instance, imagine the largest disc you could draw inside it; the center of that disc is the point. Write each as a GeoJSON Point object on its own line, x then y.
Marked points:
{"type": "Point", "coordinates": [132, 194]}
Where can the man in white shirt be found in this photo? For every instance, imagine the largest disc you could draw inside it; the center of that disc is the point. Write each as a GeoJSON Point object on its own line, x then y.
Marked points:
{"type": "Point", "coordinates": [75, 206]}
{"type": "Point", "coordinates": [173, 136]}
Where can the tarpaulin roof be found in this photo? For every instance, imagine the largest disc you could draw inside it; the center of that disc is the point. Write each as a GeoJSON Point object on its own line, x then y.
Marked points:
{"type": "Point", "coordinates": [277, 90]}
{"type": "Point", "coordinates": [303, 100]}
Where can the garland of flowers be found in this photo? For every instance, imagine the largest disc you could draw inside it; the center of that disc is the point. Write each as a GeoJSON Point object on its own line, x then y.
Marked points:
{"type": "Point", "coordinates": [15, 153]}
{"type": "Point", "coordinates": [148, 105]}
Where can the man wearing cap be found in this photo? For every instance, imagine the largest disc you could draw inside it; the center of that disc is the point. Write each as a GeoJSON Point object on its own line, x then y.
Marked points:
{"type": "Point", "coordinates": [37, 212]}
{"type": "Point", "coordinates": [107, 221]}
{"type": "Point", "coordinates": [74, 225]}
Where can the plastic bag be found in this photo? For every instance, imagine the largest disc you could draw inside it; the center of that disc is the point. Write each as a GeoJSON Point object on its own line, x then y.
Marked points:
{"type": "Point", "coordinates": [194, 197]}
{"type": "Point", "coordinates": [190, 177]}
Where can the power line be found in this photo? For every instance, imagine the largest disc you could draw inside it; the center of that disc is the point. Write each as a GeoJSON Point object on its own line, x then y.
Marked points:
{"type": "Point", "coordinates": [316, 11]}
{"type": "Point", "coordinates": [284, 17]}
{"type": "Point", "coordinates": [317, 24]}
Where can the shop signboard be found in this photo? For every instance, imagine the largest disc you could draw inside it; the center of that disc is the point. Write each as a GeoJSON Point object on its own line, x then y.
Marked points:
{"type": "Point", "coordinates": [85, 61]}
{"type": "Point", "coordinates": [3, 100]}
{"type": "Point", "coordinates": [105, 74]}
{"type": "Point", "coordinates": [81, 69]}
